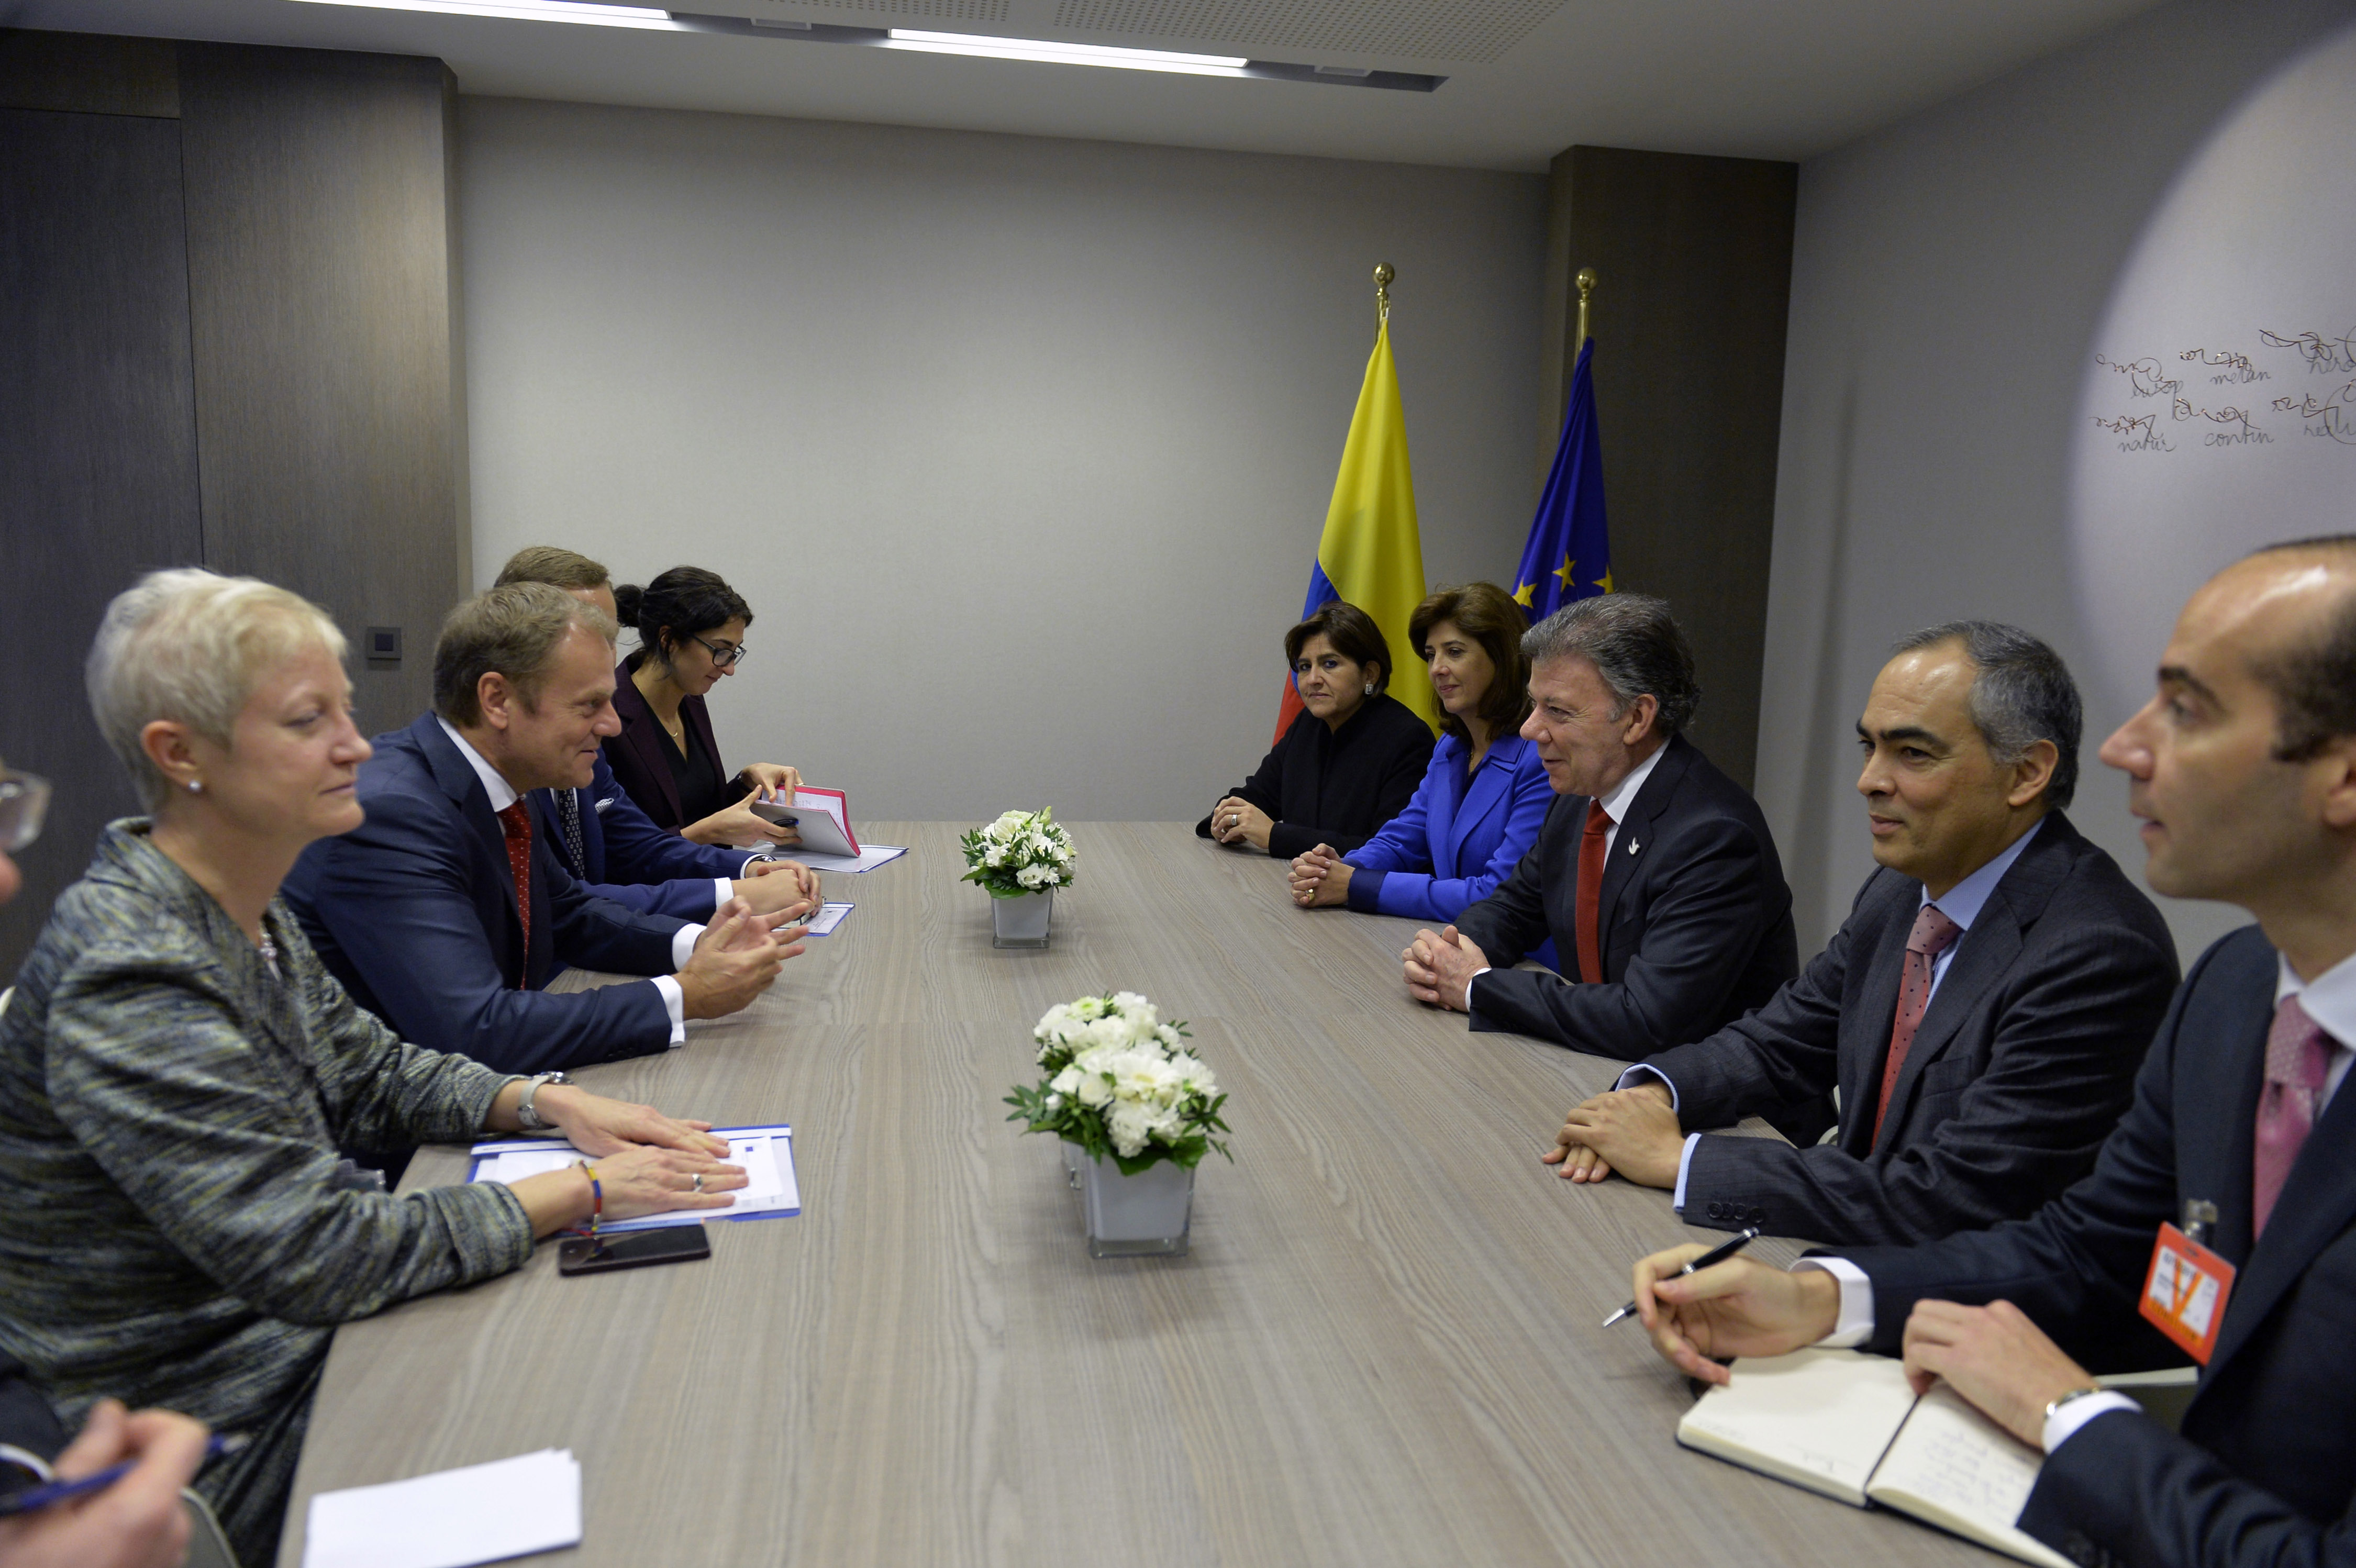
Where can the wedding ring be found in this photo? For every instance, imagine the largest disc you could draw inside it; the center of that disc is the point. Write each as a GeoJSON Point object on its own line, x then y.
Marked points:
{"type": "Point", "coordinates": [698, 1181]}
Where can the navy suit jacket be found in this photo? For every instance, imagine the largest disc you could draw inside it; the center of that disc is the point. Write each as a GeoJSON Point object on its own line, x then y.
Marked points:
{"type": "Point", "coordinates": [627, 858]}
{"type": "Point", "coordinates": [1694, 924]}
{"type": "Point", "coordinates": [2023, 1065]}
{"type": "Point", "coordinates": [414, 911]}
{"type": "Point", "coordinates": [2264, 1469]}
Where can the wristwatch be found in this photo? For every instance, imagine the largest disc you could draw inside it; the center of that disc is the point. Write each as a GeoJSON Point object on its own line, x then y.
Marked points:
{"type": "Point", "coordinates": [529, 1115]}
{"type": "Point", "coordinates": [2080, 1392]}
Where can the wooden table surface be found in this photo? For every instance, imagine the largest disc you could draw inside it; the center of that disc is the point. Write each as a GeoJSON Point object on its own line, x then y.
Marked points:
{"type": "Point", "coordinates": [1383, 1346]}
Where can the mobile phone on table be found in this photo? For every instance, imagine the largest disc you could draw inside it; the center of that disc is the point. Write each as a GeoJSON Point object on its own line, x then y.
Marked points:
{"type": "Point", "coordinates": [632, 1250]}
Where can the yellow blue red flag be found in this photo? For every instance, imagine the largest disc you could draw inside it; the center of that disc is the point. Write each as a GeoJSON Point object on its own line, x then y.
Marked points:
{"type": "Point", "coordinates": [1568, 555]}
{"type": "Point", "coordinates": [1371, 555]}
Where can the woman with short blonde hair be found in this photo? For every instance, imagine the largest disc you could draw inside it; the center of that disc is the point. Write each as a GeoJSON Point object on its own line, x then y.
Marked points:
{"type": "Point", "coordinates": [179, 1071]}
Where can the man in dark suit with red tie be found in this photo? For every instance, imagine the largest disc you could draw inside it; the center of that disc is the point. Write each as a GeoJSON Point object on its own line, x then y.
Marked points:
{"type": "Point", "coordinates": [1983, 1009]}
{"type": "Point", "coordinates": [1654, 873]}
{"type": "Point", "coordinates": [2238, 1156]}
{"type": "Point", "coordinates": [446, 911]}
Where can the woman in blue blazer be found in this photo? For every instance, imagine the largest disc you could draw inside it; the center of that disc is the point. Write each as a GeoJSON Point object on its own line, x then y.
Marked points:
{"type": "Point", "coordinates": [1484, 794]}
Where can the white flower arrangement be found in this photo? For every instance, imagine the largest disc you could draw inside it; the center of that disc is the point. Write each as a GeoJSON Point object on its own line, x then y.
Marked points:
{"type": "Point", "coordinates": [1120, 1082]}
{"type": "Point", "coordinates": [1021, 852]}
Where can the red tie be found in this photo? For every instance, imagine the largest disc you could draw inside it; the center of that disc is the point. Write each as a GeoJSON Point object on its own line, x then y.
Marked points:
{"type": "Point", "coordinates": [2296, 1059]}
{"type": "Point", "coordinates": [1590, 892]}
{"type": "Point", "coordinates": [1932, 935]}
{"type": "Point", "coordinates": [516, 823]}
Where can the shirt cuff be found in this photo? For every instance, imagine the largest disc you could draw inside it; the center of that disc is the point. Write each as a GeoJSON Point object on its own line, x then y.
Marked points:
{"type": "Point", "coordinates": [1685, 1164]}
{"type": "Point", "coordinates": [723, 890]}
{"type": "Point", "coordinates": [1628, 1080]}
{"type": "Point", "coordinates": [1475, 975]}
{"type": "Point", "coordinates": [2064, 1423]}
{"type": "Point", "coordinates": [1855, 1324]}
{"type": "Point", "coordinates": [675, 1004]}
{"type": "Point", "coordinates": [682, 946]}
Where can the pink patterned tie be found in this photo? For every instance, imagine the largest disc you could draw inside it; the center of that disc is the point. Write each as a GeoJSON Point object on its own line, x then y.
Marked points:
{"type": "Point", "coordinates": [2296, 1057]}
{"type": "Point", "coordinates": [1932, 935]}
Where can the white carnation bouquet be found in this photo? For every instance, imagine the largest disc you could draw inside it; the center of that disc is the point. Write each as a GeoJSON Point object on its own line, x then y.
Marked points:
{"type": "Point", "coordinates": [1120, 1082]}
{"type": "Point", "coordinates": [1021, 852]}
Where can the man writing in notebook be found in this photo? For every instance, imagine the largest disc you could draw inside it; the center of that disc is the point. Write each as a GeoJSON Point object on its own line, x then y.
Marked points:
{"type": "Point", "coordinates": [1983, 1010]}
{"type": "Point", "coordinates": [2243, 770]}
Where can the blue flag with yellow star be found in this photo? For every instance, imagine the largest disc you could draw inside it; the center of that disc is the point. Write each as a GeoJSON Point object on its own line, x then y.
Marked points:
{"type": "Point", "coordinates": [1570, 552]}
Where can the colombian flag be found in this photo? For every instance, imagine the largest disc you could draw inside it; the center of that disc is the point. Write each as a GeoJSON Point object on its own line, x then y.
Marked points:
{"type": "Point", "coordinates": [1371, 555]}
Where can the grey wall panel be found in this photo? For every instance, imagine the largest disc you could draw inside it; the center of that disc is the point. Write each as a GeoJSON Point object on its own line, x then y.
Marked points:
{"type": "Point", "coordinates": [320, 267]}
{"type": "Point", "coordinates": [98, 463]}
{"type": "Point", "coordinates": [86, 73]}
{"type": "Point", "coordinates": [1695, 260]}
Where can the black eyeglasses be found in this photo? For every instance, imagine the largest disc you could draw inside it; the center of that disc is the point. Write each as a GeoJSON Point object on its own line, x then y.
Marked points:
{"type": "Point", "coordinates": [725, 654]}
{"type": "Point", "coordinates": [24, 799]}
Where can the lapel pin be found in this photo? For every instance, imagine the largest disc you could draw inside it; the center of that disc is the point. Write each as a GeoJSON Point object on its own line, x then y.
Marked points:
{"type": "Point", "coordinates": [1634, 846]}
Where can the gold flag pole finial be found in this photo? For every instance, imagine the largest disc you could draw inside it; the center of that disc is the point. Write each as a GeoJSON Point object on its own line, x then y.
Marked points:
{"type": "Point", "coordinates": [1586, 281]}
{"type": "Point", "coordinates": [1384, 274]}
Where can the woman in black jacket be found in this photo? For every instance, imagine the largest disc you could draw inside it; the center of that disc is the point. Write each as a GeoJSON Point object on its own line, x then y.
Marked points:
{"type": "Point", "coordinates": [1349, 763]}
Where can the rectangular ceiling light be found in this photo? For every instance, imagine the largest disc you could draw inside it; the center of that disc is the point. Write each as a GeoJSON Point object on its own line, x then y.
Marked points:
{"type": "Point", "coordinates": [1064, 54]}
{"type": "Point", "coordinates": [530, 11]}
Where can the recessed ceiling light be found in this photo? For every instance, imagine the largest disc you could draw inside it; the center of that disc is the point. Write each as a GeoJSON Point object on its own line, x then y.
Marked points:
{"type": "Point", "coordinates": [1064, 54]}
{"type": "Point", "coordinates": [528, 11]}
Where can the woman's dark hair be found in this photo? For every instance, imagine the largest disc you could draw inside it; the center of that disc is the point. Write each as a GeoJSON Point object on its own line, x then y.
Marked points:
{"type": "Point", "coordinates": [1488, 615]}
{"type": "Point", "coordinates": [684, 602]}
{"type": "Point", "coordinates": [1353, 633]}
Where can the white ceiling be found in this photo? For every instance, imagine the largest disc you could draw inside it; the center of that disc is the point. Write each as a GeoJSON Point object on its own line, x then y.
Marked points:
{"type": "Point", "coordinates": [1782, 78]}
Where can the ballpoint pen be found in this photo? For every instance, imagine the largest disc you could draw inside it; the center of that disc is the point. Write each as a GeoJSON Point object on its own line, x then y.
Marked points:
{"type": "Point", "coordinates": [1717, 1254]}
{"type": "Point", "coordinates": [42, 1496]}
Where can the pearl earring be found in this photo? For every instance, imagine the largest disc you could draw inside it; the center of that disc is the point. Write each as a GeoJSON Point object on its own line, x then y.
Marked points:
{"type": "Point", "coordinates": [195, 787]}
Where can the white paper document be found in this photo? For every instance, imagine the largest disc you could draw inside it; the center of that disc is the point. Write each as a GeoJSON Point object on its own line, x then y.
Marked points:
{"type": "Point", "coordinates": [766, 1154]}
{"type": "Point", "coordinates": [823, 923]}
{"type": "Point", "coordinates": [874, 855]}
{"type": "Point", "coordinates": [482, 1513]}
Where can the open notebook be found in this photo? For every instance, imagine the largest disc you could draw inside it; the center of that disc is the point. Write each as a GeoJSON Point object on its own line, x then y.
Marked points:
{"type": "Point", "coordinates": [1846, 1423]}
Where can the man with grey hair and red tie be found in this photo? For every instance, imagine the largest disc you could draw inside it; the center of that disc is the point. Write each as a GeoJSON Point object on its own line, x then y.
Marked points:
{"type": "Point", "coordinates": [2223, 1211]}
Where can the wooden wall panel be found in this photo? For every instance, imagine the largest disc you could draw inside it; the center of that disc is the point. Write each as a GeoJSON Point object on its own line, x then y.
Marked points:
{"type": "Point", "coordinates": [1693, 257]}
{"type": "Point", "coordinates": [97, 460]}
{"type": "Point", "coordinates": [328, 406]}
{"type": "Point", "coordinates": [88, 73]}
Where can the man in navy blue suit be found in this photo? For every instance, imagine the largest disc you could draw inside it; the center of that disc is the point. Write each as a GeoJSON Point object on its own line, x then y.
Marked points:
{"type": "Point", "coordinates": [609, 843]}
{"type": "Point", "coordinates": [2242, 1133]}
{"type": "Point", "coordinates": [446, 911]}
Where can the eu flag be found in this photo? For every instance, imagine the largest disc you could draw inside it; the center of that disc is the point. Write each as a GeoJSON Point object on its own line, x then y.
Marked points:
{"type": "Point", "coordinates": [1570, 552]}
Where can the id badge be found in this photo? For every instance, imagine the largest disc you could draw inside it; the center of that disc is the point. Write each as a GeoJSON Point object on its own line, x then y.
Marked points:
{"type": "Point", "coordinates": [2184, 1294]}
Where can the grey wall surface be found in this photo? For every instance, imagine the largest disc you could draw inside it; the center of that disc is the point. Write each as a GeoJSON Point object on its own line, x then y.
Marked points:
{"type": "Point", "coordinates": [1947, 278]}
{"type": "Point", "coordinates": [1020, 448]}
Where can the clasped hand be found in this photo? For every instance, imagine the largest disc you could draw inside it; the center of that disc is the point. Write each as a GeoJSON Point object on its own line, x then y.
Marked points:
{"type": "Point", "coordinates": [1633, 1131]}
{"type": "Point", "coordinates": [1439, 965]}
{"type": "Point", "coordinates": [1993, 1356]}
{"type": "Point", "coordinates": [1320, 878]}
{"type": "Point", "coordinates": [1235, 821]}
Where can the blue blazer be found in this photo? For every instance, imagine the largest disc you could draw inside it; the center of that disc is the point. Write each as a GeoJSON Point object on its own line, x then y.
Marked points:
{"type": "Point", "coordinates": [414, 911]}
{"type": "Point", "coordinates": [1454, 844]}
{"type": "Point", "coordinates": [652, 870]}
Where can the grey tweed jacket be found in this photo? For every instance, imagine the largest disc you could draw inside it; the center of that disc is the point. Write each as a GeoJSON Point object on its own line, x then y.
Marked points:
{"type": "Point", "coordinates": [174, 1231]}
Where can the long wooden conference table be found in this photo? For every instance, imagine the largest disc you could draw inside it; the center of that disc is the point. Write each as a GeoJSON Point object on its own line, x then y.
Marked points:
{"type": "Point", "coordinates": [1382, 1347]}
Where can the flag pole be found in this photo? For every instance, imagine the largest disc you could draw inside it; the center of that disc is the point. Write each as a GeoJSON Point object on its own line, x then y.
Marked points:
{"type": "Point", "coordinates": [1586, 281]}
{"type": "Point", "coordinates": [1383, 276]}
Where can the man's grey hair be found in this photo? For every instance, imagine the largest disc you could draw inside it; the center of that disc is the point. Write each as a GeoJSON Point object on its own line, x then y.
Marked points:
{"type": "Point", "coordinates": [192, 645]}
{"type": "Point", "coordinates": [514, 630]}
{"type": "Point", "coordinates": [2022, 693]}
{"type": "Point", "coordinates": [1634, 645]}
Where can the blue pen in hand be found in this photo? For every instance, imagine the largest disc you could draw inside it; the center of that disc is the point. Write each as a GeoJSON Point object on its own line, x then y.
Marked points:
{"type": "Point", "coordinates": [42, 1496]}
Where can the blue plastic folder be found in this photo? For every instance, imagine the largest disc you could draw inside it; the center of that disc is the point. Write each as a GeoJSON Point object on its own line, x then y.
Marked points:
{"type": "Point", "coordinates": [766, 1152]}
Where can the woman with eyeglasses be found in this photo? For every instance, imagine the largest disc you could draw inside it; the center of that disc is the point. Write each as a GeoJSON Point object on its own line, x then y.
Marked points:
{"type": "Point", "coordinates": [690, 627]}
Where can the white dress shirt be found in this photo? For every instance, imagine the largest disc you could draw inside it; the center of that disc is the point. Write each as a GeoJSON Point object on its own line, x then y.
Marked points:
{"type": "Point", "coordinates": [1962, 904]}
{"type": "Point", "coordinates": [682, 942]}
{"type": "Point", "coordinates": [1615, 802]}
{"type": "Point", "coordinates": [2329, 999]}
